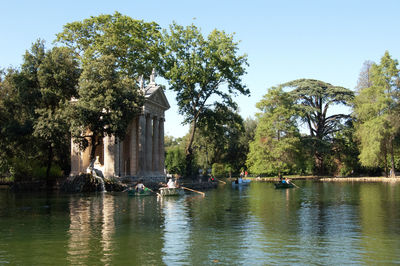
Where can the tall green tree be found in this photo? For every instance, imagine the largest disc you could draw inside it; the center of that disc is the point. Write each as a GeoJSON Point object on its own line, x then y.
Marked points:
{"type": "Point", "coordinates": [345, 151]}
{"type": "Point", "coordinates": [15, 121]}
{"type": "Point", "coordinates": [376, 109]}
{"type": "Point", "coordinates": [19, 97]}
{"type": "Point", "coordinates": [135, 45]}
{"type": "Point", "coordinates": [201, 70]}
{"type": "Point", "coordinates": [314, 98]}
{"type": "Point", "coordinates": [217, 140]}
{"type": "Point", "coordinates": [107, 101]}
{"type": "Point", "coordinates": [175, 155]}
{"type": "Point", "coordinates": [175, 160]}
{"type": "Point", "coordinates": [114, 51]}
{"type": "Point", "coordinates": [57, 77]}
{"type": "Point", "coordinates": [33, 100]}
{"type": "Point", "coordinates": [276, 143]}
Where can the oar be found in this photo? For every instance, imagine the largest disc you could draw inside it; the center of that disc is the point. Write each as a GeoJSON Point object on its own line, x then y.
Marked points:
{"type": "Point", "coordinates": [220, 181]}
{"type": "Point", "coordinates": [294, 184]}
{"type": "Point", "coordinates": [202, 193]}
{"type": "Point", "coordinates": [158, 194]}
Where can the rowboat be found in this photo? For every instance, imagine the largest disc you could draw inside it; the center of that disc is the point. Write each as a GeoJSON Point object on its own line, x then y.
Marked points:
{"type": "Point", "coordinates": [145, 192]}
{"type": "Point", "coordinates": [243, 182]}
{"type": "Point", "coordinates": [165, 191]}
{"type": "Point", "coordinates": [283, 185]}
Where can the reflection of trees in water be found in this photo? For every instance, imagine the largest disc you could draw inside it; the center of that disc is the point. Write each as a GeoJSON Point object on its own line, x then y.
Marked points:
{"type": "Point", "coordinates": [380, 219]}
{"type": "Point", "coordinates": [310, 223]}
{"type": "Point", "coordinates": [108, 228]}
{"type": "Point", "coordinates": [79, 231]}
{"type": "Point", "coordinates": [139, 231]}
{"type": "Point", "coordinates": [218, 226]}
{"type": "Point", "coordinates": [91, 229]}
{"type": "Point", "coordinates": [317, 224]}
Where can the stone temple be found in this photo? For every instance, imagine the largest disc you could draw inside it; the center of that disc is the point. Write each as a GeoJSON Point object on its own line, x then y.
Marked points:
{"type": "Point", "coordinates": [141, 153]}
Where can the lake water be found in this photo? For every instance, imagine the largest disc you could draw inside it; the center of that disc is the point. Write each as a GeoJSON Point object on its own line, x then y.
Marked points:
{"type": "Point", "coordinates": [319, 224]}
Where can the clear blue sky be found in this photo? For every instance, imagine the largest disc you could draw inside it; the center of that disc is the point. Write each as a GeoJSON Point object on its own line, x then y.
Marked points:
{"type": "Point", "coordinates": [284, 40]}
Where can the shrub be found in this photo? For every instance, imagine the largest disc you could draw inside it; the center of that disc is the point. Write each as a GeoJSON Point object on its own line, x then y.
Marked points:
{"type": "Point", "coordinates": [218, 170]}
{"type": "Point", "coordinates": [39, 172]}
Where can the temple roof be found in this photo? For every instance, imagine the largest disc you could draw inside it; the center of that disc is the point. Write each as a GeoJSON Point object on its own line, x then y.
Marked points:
{"type": "Point", "coordinates": [155, 94]}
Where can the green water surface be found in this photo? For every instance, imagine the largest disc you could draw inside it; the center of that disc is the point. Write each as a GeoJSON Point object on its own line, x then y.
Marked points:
{"type": "Point", "coordinates": [318, 224]}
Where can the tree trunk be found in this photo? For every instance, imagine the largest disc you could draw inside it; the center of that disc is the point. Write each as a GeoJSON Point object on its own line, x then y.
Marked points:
{"type": "Point", "coordinates": [189, 152]}
{"type": "Point", "coordinates": [93, 145]}
{"type": "Point", "coordinates": [392, 169]}
{"type": "Point", "coordinates": [49, 183]}
{"type": "Point", "coordinates": [319, 163]}
{"type": "Point", "coordinates": [189, 165]}
{"type": "Point", "coordinates": [386, 162]}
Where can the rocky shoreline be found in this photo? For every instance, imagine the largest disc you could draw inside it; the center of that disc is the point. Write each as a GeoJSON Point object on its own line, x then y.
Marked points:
{"type": "Point", "coordinates": [87, 183]}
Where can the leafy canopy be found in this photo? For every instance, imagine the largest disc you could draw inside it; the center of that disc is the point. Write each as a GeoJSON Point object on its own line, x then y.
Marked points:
{"type": "Point", "coordinates": [276, 142]}
{"type": "Point", "coordinates": [107, 102]}
{"type": "Point", "coordinates": [34, 99]}
{"type": "Point", "coordinates": [376, 110]}
{"type": "Point", "coordinates": [198, 68]}
{"type": "Point", "coordinates": [201, 70]}
{"type": "Point", "coordinates": [314, 98]}
{"type": "Point", "coordinates": [135, 45]}
{"type": "Point", "coordinates": [114, 51]}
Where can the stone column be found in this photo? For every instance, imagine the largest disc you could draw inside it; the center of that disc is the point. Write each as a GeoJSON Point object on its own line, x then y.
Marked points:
{"type": "Point", "coordinates": [149, 143]}
{"type": "Point", "coordinates": [76, 161]}
{"type": "Point", "coordinates": [161, 151]}
{"type": "Point", "coordinates": [117, 158]}
{"type": "Point", "coordinates": [156, 148]}
{"type": "Point", "coordinates": [85, 156]}
{"type": "Point", "coordinates": [142, 144]}
{"type": "Point", "coordinates": [121, 158]}
{"type": "Point", "coordinates": [109, 156]}
{"type": "Point", "coordinates": [134, 147]}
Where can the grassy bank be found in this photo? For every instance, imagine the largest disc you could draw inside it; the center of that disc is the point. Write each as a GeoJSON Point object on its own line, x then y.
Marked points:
{"type": "Point", "coordinates": [360, 179]}
{"type": "Point", "coordinates": [326, 179]}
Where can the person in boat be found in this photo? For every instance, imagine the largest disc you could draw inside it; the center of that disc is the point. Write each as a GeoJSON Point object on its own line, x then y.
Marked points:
{"type": "Point", "coordinates": [139, 186]}
{"type": "Point", "coordinates": [172, 184]}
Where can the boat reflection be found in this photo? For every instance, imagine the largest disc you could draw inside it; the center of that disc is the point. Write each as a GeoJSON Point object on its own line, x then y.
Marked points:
{"type": "Point", "coordinates": [92, 226]}
{"type": "Point", "coordinates": [176, 233]}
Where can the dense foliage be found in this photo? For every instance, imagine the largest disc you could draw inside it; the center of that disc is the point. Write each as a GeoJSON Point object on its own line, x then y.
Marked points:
{"type": "Point", "coordinates": [33, 102]}
{"type": "Point", "coordinates": [201, 70]}
{"type": "Point", "coordinates": [114, 51]}
{"type": "Point", "coordinates": [87, 88]}
{"type": "Point", "coordinates": [275, 148]}
{"type": "Point", "coordinates": [314, 98]}
{"type": "Point", "coordinates": [377, 109]}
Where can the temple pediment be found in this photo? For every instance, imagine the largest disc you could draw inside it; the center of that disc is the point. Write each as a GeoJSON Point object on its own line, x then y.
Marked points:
{"type": "Point", "coordinates": [155, 95]}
